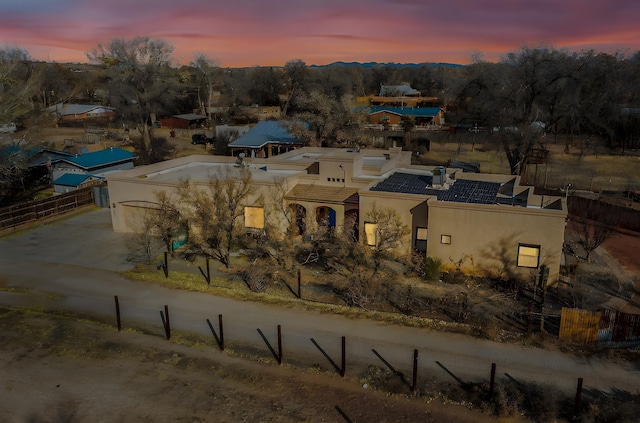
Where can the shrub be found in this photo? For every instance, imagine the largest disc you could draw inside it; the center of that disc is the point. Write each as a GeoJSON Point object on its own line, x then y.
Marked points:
{"type": "Point", "coordinates": [432, 268]}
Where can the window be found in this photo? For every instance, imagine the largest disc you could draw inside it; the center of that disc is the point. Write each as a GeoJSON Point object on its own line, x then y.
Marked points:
{"type": "Point", "coordinates": [528, 255]}
{"type": "Point", "coordinates": [445, 239]}
{"type": "Point", "coordinates": [254, 217]}
{"type": "Point", "coordinates": [370, 233]}
{"type": "Point", "coordinates": [421, 239]}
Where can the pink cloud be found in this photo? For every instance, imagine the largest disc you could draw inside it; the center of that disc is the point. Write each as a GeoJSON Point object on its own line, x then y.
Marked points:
{"type": "Point", "coordinates": [255, 32]}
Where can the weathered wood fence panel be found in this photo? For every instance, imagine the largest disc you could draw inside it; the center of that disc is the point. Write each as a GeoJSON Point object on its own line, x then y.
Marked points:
{"type": "Point", "coordinates": [579, 326]}
{"type": "Point", "coordinates": [619, 329]}
{"type": "Point", "coordinates": [622, 217]}
{"type": "Point", "coordinates": [30, 211]}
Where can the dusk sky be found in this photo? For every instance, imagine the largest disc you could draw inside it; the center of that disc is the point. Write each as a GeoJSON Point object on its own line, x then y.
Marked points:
{"type": "Point", "coordinates": [270, 32]}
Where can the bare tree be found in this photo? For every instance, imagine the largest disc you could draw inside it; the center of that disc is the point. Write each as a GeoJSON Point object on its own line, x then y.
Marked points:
{"type": "Point", "coordinates": [209, 74]}
{"type": "Point", "coordinates": [165, 219]}
{"type": "Point", "coordinates": [295, 73]}
{"type": "Point", "coordinates": [141, 75]}
{"type": "Point", "coordinates": [213, 212]}
{"type": "Point", "coordinates": [389, 231]}
{"type": "Point", "coordinates": [328, 121]}
{"type": "Point", "coordinates": [144, 242]}
{"type": "Point", "coordinates": [592, 233]}
{"type": "Point", "coordinates": [18, 83]}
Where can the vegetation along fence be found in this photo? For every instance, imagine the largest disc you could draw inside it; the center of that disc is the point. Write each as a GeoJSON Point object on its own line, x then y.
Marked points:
{"type": "Point", "coordinates": [607, 328]}
{"type": "Point", "coordinates": [19, 214]}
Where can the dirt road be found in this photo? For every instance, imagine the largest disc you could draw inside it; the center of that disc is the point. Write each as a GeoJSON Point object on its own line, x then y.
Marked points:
{"type": "Point", "coordinates": [75, 260]}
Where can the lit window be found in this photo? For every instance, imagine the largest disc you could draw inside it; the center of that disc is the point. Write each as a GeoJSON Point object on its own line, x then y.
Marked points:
{"type": "Point", "coordinates": [528, 255]}
{"type": "Point", "coordinates": [254, 217]}
{"type": "Point", "coordinates": [421, 239]}
{"type": "Point", "coordinates": [370, 233]}
{"type": "Point", "coordinates": [445, 239]}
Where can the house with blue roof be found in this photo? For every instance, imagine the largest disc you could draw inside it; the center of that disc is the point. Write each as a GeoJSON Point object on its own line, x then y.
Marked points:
{"type": "Point", "coordinates": [267, 138]}
{"type": "Point", "coordinates": [96, 163]}
{"type": "Point", "coordinates": [71, 182]}
{"type": "Point", "coordinates": [422, 116]}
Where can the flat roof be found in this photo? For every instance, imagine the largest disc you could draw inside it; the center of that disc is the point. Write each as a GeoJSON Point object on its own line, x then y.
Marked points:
{"type": "Point", "coordinates": [203, 171]}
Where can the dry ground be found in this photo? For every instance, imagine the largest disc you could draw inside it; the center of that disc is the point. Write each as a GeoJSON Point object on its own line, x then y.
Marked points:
{"type": "Point", "coordinates": [56, 369]}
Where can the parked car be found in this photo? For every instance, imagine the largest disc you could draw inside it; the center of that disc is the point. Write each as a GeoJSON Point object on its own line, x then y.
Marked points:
{"type": "Point", "coordinates": [200, 139]}
{"type": "Point", "coordinates": [8, 127]}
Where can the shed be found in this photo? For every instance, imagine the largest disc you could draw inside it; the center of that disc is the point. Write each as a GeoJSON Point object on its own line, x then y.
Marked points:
{"type": "Point", "coordinates": [184, 121]}
{"type": "Point", "coordinates": [70, 182]}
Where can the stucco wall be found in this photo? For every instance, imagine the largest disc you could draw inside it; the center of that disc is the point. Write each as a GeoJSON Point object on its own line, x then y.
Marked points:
{"type": "Point", "coordinates": [489, 236]}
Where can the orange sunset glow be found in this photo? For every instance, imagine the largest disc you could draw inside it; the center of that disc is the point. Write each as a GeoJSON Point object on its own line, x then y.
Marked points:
{"type": "Point", "coordinates": [252, 32]}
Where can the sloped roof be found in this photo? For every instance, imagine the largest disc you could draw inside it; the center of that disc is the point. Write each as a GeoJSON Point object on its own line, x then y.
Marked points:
{"type": "Point", "coordinates": [72, 179]}
{"type": "Point", "coordinates": [76, 109]}
{"type": "Point", "coordinates": [395, 90]}
{"type": "Point", "coordinates": [407, 111]}
{"type": "Point", "coordinates": [42, 156]}
{"type": "Point", "coordinates": [321, 194]}
{"type": "Point", "coordinates": [109, 156]}
{"type": "Point", "coordinates": [189, 116]}
{"type": "Point", "coordinates": [265, 132]}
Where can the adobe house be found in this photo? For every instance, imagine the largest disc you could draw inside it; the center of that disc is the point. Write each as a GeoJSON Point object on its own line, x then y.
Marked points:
{"type": "Point", "coordinates": [481, 223]}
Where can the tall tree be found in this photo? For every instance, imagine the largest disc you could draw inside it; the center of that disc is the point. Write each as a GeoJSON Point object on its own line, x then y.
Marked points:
{"type": "Point", "coordinates": [329, 121]}
{"type": "Point", "coordinates": [213, 213]}
{"type": "Point", "coordinates": [208, 75]}
{"type": "Point", "coordinates": [295, 72]}
{"type": "Point", "coordinates": [18, 83]}
{"type": "Point", "coordinates": [141, 76]}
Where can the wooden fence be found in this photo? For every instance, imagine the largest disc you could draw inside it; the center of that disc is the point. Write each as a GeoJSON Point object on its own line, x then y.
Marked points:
{"type": "Point", "coordinates": [622, 217]}
{"type": "Point", "coordinates": [16, 215]}
{"type": "Point", "coordinates": [579, 326]}
{"type": "Point", "coordinates": [607, 328]}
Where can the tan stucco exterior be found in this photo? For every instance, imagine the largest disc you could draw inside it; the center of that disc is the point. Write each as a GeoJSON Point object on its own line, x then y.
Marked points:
{"type": "Point", "coordinates": [489, 236]}
{"type": "Point", "coordinates": [331, 183]}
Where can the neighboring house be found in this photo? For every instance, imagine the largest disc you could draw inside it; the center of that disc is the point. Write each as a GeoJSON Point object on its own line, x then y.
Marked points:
{"type": "Point", "coordinates": [77, 112]}
{"type": "Point", "coordinates": [423, 116]}
{"type": "Point", "coordinates": [184, 121]}
{"type": "Point", "coordinates": [398, 96]}
{"type": "Point", "coordinates": [96, 163]}
{"type": "Point", "coordinates": [267, 138]}
{"type": "Point", "coordinates": [71, 182]}
{"type": "Point", "coordinates": [482, 223]}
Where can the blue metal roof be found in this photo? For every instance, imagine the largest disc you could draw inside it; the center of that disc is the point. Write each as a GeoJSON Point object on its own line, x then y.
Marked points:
{"type": "Point", "coordinates": [101, 158]}
{"type": "Point", "coordinates": [265, 132]}
{"type": "Point", "coordinates": [410, 111]}
{"type": "Point", "coordinates": [71, 179]}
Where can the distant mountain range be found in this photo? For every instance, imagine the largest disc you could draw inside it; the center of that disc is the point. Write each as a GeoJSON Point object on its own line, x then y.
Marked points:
{"type": "Point", "coordinates": [398, 65]}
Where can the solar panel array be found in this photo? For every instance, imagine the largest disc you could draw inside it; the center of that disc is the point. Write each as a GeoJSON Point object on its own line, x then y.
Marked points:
{"type": "Point", "coordinates": [406, 183]}
{"type": "Point", "coordinates": [462, 191]}
{"type": "Point", "coordinates": [466, 191]}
